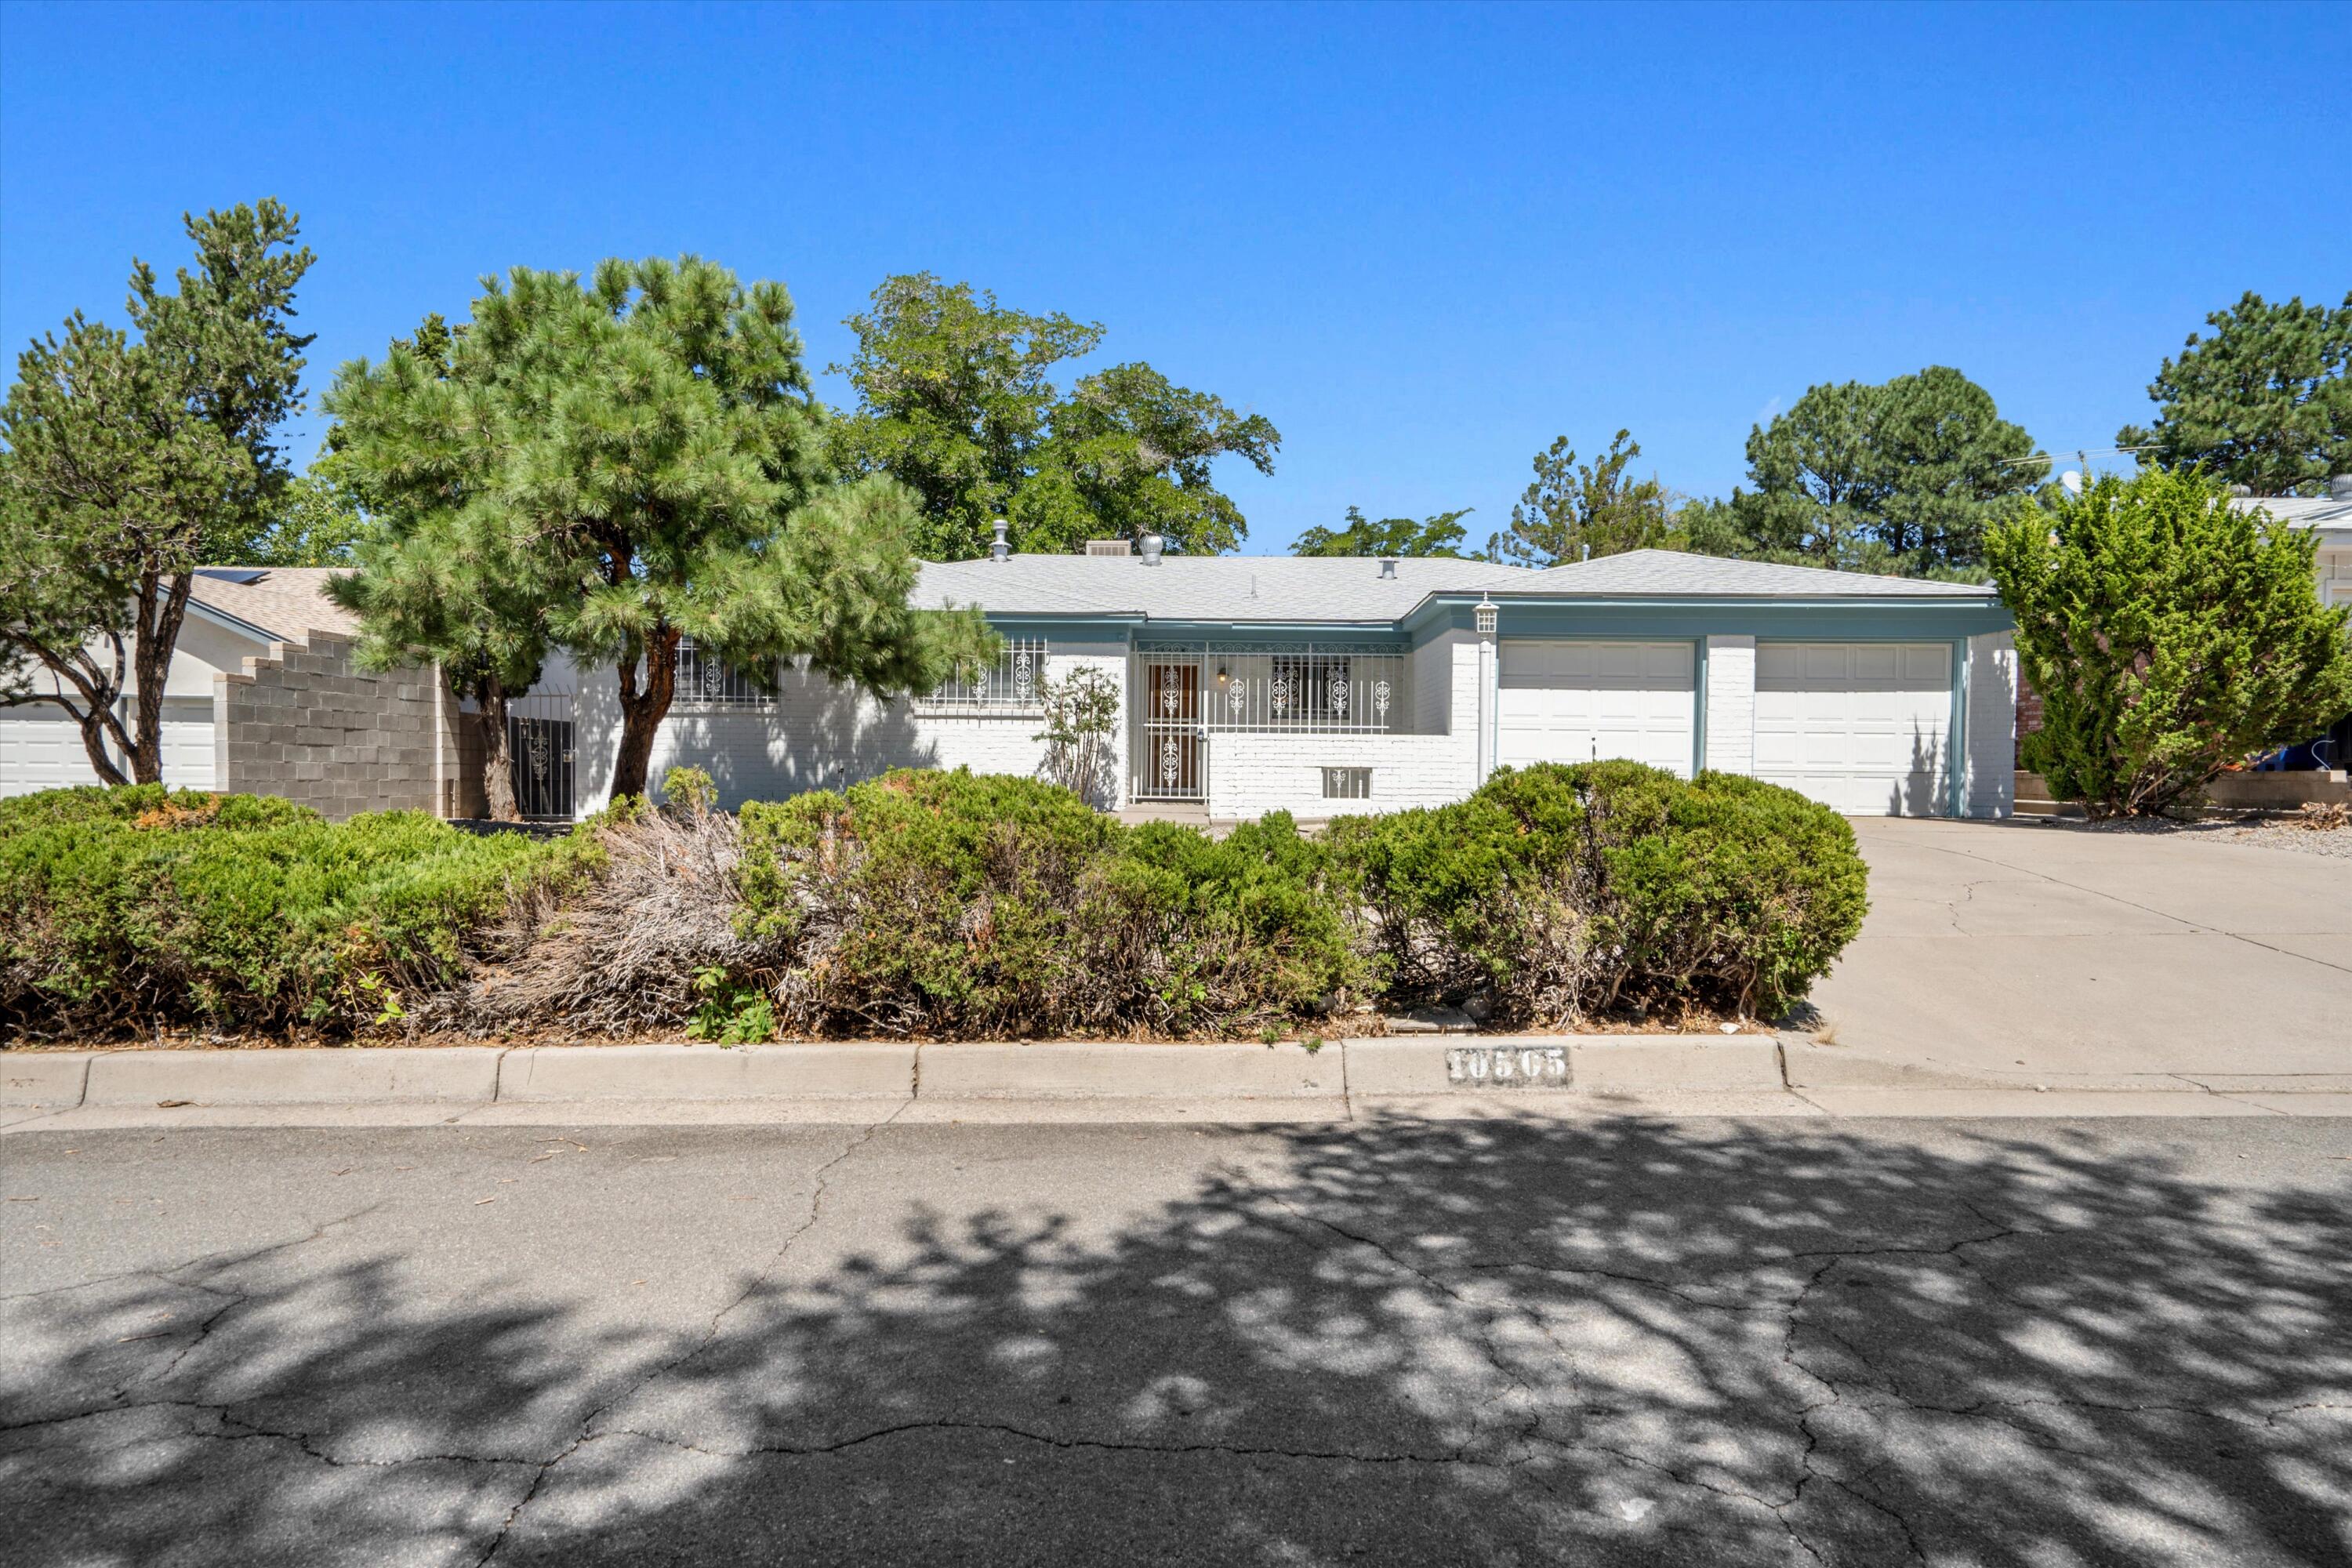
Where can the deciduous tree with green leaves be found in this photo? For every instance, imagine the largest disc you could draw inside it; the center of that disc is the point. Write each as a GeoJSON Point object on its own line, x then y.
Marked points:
{"type": "Point", "coordinates": [1575, 511]}
{"type": "Point", "coordinates": [647, 439]}
{"type": "Point", "coordinates": [1438, 535]}
{"type": "Point", "coordinates": [127, 463]}
{"type": "Point", "coordinates": [1900, 477]}
{"type": "Point", "coordinates": [2265, 402]}
{"type": "Point", "coordinates": [955, 400]}
{"type": "Point", "coordinates": [2169, 636]}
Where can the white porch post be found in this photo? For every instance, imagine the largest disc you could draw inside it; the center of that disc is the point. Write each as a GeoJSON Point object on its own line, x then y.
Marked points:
{"type": "Point", "coordinates": [1729, 743]}
{"type": "Point", "coordinates": [1489, 689]}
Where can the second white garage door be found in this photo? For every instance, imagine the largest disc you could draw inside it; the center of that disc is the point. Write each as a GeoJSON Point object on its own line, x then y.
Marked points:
{"type": "Point", "coordinates": [1864, 728]}
{"type": "Point", "coordinates": [1575, 702]}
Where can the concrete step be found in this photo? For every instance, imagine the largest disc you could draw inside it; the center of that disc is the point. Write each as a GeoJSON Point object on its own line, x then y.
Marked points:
{"type": "Point", "coordinates": [2030, 797]}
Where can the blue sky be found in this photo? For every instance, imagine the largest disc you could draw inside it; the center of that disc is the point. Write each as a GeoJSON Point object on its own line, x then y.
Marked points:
{"type": "Point", "coordinates": [1422, 241]}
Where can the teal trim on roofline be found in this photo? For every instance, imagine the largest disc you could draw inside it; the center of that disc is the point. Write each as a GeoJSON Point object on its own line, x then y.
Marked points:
{"type": "Point", "coordinates": [1812, 620]}
{"type": "Point", "coordinates": [1817, 619]}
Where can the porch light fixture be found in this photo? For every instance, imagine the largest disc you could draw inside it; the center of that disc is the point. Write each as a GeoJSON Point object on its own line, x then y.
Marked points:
{"type": "Point", "coordinates": [1486, 608]}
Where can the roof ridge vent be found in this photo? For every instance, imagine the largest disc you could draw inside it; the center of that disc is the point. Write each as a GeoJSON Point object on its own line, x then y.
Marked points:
{"type": "Point", "coordinates": [1108, 547]}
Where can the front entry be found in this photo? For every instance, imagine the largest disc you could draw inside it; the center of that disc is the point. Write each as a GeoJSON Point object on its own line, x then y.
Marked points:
{"type": "Point", "coordinates": [1167, 760]}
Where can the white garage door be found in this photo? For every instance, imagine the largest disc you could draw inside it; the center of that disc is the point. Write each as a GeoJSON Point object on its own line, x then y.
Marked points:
{"type": "Point", "coordinates": [1864, 728]}
{"type": "Point", "coordinates": [41, 750]}
{"type": "Point", "coordinates": [1580, 701]}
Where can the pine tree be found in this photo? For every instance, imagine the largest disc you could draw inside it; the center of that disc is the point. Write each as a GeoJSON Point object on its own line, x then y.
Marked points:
{"type": "Point", "coordinates": [651, 450]}
{"type": "Point", "coordinates": [130, 462]}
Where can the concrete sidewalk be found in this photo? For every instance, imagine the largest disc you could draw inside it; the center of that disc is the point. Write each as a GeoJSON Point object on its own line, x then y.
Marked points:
{"type": "Point", "coordinates": [854, 1083]}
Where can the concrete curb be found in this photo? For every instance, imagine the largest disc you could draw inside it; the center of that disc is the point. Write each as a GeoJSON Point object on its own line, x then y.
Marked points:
{"type": "Point", "coordinates": [57, 1079]}
{"type": "Point", "coordinates": [1477, 1070]}
{"type": "Point", "coordinates": [365, 1076]}
{"type": "Point", "coordinates": [706, 1072]}
{"type": "Point", "coordinates": [1089, 1070]}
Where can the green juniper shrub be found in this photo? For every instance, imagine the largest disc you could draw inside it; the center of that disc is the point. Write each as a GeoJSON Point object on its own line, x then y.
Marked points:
{"type": "Point", "coordinates": [1559, 892]}
{"type": "Point", "coordinates": [961, 904]}
{"type": "Point", "coordinates": [138, 906]}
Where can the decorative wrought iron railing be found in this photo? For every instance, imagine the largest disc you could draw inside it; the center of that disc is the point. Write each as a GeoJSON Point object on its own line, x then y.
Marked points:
{"type": "Point", "coordinates": [1010, 683]}
{"type": "Point", "coordinates": [1319, 687]}
{"type": "Point", "coordinates": [705, 681]}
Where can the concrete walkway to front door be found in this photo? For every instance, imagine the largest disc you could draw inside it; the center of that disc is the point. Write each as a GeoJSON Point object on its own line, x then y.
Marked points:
{"type": "Point", "coordinates": [2032, 953]}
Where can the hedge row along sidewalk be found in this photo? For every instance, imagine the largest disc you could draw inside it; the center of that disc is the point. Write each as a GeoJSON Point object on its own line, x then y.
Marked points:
{"type": "Point", "coordinates": [927, 905]}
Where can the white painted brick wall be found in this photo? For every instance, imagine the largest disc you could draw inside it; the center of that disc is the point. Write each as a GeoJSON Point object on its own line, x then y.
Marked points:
{"type": "Point", "coordinates": [1251, 773]}
{"type": "Point", "coordinates": [1988, 783]}
{"type": "Point", "coordinates": [816, 735]}
{"type": "Point", "coordinates": [1729, 745]}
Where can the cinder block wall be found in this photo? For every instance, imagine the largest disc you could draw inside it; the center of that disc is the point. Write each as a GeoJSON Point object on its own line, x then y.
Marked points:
{"type": "Point", "coordinates": [306, 724]}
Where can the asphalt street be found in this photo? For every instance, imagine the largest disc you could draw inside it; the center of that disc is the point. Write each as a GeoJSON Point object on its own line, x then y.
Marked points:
{"type": "Point", "coordinates": [1614, 1339]}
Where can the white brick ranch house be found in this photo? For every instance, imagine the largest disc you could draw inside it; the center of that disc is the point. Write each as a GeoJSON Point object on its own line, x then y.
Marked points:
{"type": "Point", "coordinates": [1248, 684]}
{"type": "Point", "coordinates": [1324, 685]}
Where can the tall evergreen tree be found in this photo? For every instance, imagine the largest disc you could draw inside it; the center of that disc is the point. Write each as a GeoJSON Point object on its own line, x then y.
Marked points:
{"type": "Point", "coordinates": [2265, 402]}
{"type": "Point", "coordinates": [443, 577]}
{"type": "Point", "coordinates": [1575, 510]}
{"type": "Point", "coordinates": [650, 442]}
{"type": "Point", "coordinates": [130, 462]}
{"type": "Point", "coordinates": [1901, 477]}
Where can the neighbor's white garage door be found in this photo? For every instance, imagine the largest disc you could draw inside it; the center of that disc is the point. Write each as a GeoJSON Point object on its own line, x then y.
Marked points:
{"type": "Point", "coordinates": [40, 751]}
{"type": "Point", "coordinates": [1864, 728]}
{"type": "Point", "coordinates": [1575, 702]}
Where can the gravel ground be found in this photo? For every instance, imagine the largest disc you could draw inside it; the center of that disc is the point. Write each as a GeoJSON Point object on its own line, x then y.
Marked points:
{"type": "Point", "coordinates": [2270, 833]}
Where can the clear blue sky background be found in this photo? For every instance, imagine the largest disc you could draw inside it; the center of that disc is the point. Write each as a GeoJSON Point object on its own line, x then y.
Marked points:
{"type": "Point", "coordinates": [1422, 241]}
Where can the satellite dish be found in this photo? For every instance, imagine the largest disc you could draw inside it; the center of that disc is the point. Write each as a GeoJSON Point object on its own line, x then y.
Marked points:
{"type": "Point", "coordinates": [2072, 481]}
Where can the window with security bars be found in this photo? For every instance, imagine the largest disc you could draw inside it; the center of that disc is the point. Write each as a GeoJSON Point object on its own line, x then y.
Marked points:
{"type": "Point", "coordinates": [705, 680]}
{"type": "Point", "coordinates": [1347, 784]}
{"type": "Point", "coordinates": [1010, 681]}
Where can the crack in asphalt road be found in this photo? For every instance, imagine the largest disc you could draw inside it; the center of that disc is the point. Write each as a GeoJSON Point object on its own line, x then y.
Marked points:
{"type": "Point", "coordinates": [820, 1181]}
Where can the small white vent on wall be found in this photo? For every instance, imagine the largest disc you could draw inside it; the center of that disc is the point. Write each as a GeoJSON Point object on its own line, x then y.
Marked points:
{"type": "Point", "coordinates": [1347, 784]}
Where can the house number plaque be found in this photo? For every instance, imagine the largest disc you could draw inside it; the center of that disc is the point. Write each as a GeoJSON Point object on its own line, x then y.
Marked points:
{"type": "Point", "coordinates": [1508, 1067]}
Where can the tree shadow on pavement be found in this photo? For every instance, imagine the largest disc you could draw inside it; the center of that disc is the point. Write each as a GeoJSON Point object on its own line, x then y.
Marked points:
{"type": "Point", "coordinates": [1610, 1340]}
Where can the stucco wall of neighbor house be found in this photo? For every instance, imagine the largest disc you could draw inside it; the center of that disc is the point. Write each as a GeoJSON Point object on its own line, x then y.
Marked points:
{"type": "Point", "coordinates": [1252, 771]}
{"type": "Point", "coordinates": [1727, 744]}
{"type": "Point", "coordinates": [304, 722]}
{"type": "Point", "coordinates": [820, 734]}
{"type": "Point", "coordinates": [1989, 779]}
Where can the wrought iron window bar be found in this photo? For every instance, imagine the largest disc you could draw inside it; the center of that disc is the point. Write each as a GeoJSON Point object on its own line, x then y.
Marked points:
{"type": "Point", "coordinates": [1011, 682]}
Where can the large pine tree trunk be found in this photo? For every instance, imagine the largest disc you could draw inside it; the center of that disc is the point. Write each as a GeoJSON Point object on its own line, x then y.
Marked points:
{"type": "Point", "coordinates": [498, 752]}
{"type": "Point", "coordinates": [642, 711]}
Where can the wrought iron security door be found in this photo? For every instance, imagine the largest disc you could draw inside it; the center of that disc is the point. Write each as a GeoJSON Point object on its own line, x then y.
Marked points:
{"type": "Point", "coordinates": [1169, 762]}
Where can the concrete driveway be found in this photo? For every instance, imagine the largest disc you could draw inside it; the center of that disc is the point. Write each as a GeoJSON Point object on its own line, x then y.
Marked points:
{"type": "Point", "coordinates": [2024, 952]}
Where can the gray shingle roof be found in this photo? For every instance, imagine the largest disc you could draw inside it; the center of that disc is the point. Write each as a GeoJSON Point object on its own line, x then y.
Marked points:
{"type": "Point", "coordinates": [287, 601]}
{"type": "Point", "coordinates": [1282, 588]}
{"type": "Point", "coordinates": [1206, 587]}
{"type": "Point", "coordinates": [2301, 512]}
{"type": "Point", "coordinates": [1672, 574]}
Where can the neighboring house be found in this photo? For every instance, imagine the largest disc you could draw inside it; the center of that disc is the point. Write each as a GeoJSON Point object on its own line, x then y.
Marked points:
{"type": "Point", "coordinates": [1249, 684]}
{"type": "Point", "coordinates": [1327, 686]}
{"type": "Point", "coordinates": [262, 696]}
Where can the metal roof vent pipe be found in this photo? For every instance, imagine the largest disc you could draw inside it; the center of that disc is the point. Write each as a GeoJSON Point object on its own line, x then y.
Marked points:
{"type": "Point", "coordinates": [1388, 565]}
{"type": "Point", "coordinates": [2340, 488]}
{"type": "Point", "coordinates": [1149, 545]}
{"type": "Point", "coordinates": [1002, 548]}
